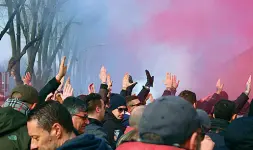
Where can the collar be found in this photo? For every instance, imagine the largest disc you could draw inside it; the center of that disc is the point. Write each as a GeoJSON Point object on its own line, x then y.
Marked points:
{"type": "Point", "coordinates": [95, 121]}
{"type": "Point", "coordinates": [219, 124]}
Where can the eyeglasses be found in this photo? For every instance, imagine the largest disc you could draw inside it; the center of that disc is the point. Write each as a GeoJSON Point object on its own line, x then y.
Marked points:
{"type": "Point", "coordinates": [139, 104]}
{"type": "Point", "coordinates": [122, 109]}
{"type": "Point", "coordinates": [83, 117]}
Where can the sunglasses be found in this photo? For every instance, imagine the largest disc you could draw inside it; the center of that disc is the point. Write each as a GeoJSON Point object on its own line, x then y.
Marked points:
{"type": "Point", "coordinates": [122, 109]}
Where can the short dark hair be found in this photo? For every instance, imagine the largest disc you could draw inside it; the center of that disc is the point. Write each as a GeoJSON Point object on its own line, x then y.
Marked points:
{"type": "Point", "coordinates": [93, 100]}
{"type": "Point", "coordinates": [189, 96]}
{"type": "Point", "coordinates": [224, 109]}
{"type": "Point", "coordinates": [130, 98]}
{"type": "Point", "coordinates": [51, 112]}
{"type": "Point", "coordinates": [74, 105]}
{"type": "Point", "coordinates": [82, 97]}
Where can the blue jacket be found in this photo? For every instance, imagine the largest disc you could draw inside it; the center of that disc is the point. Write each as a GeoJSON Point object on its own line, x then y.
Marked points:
{"type": "Point", "coordinates": [125, 121]}
{"type": "Point", "coordinates": [85, 142]}
{"type": "Point", "coordinates": [216, 133]}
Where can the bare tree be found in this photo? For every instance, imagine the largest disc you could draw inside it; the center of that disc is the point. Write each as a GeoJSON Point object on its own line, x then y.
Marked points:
{"type": "Point", "coordinates": [37, 22]}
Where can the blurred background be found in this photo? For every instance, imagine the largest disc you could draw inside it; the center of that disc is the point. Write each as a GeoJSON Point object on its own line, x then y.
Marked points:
{"type": "Point", "coordinates": [197, 40]}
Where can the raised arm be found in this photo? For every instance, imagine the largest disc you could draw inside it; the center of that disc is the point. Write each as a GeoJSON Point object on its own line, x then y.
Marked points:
{"type": "Point", "coordinates": [54, 83]}
{"type": "Point", "coordinates": [244, 97]}
{"type": "Point", "coordinates": [146, 89]}
{"type": "Point", "coordinates": [103, 91]}
{"type": "Point", "coordinates": [171, 83]}
{"type": "Point", "coordinates": [127, 86]}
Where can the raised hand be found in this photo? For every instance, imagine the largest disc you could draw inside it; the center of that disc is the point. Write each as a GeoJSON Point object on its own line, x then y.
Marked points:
{"type": "Point", "coordinates": [91, 88]}
{"type": "Point", "coordinates": [61, 85]}
{"type": "Point", "coordinates": [109, 82]}
{"type": "Point", "coordinates": [103, 75]}
{"type": "Point", "coordinates": [248, 86]}
{"type": "Point", "coordinates": [126, 83]}
{"type": "Point", "coordinates": [219, 87]}
{"type": "Point", "coordinates": [151, 98]}
{"type": "Point", "coordinates": [27, 79]}
{"type": "Point", "coordinates": [67, 91]}
{"type": "Point", "coordinates": [168, 82]}
{"type": "Point", "coordinates": [175, 82]}
{"type": "Point", "coordinates": [62, 69]}
{"type": "Point", "coordinates": [150, 80]}
{"type": "Point", "coordinates": [66, 83]}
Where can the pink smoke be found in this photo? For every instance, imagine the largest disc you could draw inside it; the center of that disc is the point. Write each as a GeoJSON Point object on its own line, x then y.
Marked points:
{"type": "Point", "coordinates": [211, 32]}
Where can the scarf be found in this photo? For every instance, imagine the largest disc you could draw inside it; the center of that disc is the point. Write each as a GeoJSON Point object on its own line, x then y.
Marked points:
{"type": "Point", "coordinates": [17, 105]}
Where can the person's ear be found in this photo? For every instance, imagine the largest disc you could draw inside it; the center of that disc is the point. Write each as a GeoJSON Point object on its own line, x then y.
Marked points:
{"type": "Point", "coordinates": [233, 117]}
{"type": "Point", "coordinates": [98, 109]}
{"type": "Point", "coordinates": [193, 144]}
{"type": "Point", "coordinates": [56, 130]}
{"type": "Point", "coordinates": [195, 105]}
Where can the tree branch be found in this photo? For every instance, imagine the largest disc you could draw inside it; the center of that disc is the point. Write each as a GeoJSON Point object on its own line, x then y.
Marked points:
{"type": "Point", "coordinates": [14, 60]}
{"type": "Point", "coordinates": [4, 5]}
{"type": "Point", "coordinates": [28, 45]}
{"type": "Point", "coordinates": [59, 44]}
{"type": "Point", "coordinates": [7, 26]}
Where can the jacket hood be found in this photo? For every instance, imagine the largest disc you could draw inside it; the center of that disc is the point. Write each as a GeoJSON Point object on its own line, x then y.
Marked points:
{"type": "Point", "coordinates": [110, 116]}
{"type": "Point", "coordinates": [11, 120]}
{"type": "Point", "coordinates": [85, 142]}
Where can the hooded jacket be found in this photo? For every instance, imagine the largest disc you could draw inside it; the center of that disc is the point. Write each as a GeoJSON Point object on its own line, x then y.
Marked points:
{"type": "Point", "coordinates": [85, 142]}
{"type": "Point", "coordinates": [114, 128]}
{"type": "Point", "coordinates": [145, 146]}
{"type": "Point", "coordinates": [13, 130]}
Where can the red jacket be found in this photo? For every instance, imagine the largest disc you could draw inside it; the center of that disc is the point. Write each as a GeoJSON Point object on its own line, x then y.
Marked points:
{"type": "Point", "coordinates": [145, 146]}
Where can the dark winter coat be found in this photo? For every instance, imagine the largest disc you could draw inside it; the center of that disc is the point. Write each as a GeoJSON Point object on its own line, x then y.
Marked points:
{"type": "Point", "coordinates": [85, 142]}
{"type": "Point", "coordinates": [13, 130]}
{"type": "Point", "coordinates": [216, 133]}
{"type": "Point", "coordinates": [114, 128]}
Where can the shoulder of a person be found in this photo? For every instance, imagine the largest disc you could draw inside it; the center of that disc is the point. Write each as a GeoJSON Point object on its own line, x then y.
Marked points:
{"type": "Point", "coordinates": [19, 138]}
{"type": "Point", "coordinates": [146, 146]}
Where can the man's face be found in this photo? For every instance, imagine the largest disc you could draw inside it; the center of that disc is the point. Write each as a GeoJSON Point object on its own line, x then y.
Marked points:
{"type": "Point", "coordinates": [40, 138]}
{"type": "Point", "coordinates": [80, 121]}
{"type": "Point", "coordinates": [119, 112]}
{"type": "Point", "coordinates": [134, 103]}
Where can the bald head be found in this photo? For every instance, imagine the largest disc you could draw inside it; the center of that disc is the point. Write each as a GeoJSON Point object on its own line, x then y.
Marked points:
{"type": "Point", "coordinates": [135, 116]}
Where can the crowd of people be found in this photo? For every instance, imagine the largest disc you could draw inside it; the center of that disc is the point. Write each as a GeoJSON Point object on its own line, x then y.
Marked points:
{"type": "Point", "coordinates": [54, 118]}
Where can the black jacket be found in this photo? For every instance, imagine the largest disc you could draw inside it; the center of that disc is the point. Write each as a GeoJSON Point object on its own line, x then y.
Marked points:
{"type": "Point", "coordinates": [141, 96]}
{"type": "Point", "coordinates": [96, 128]}
{"type": "Point", "coordinates": [50, 87]}
{"type": "Point", "coordinates": [13, 130]}
{"type": "Point", "coordinates": [114, 128]}
{"type": "Point", "coordinates": [216, 133]}
{"type": "Point", "coordinates": [85, 142]}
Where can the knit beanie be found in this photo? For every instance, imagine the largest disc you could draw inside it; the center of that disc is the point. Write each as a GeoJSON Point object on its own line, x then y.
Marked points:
{"type": "Point", "coordinates": [28, 93]}
{"type": "Point", "coordinates": [116, 101]}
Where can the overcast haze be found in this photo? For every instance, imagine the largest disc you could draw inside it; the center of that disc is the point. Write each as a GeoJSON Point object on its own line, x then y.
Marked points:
{"type": "Point", "coordinates": [186, 38]}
